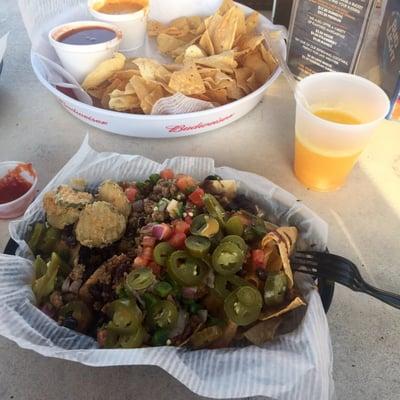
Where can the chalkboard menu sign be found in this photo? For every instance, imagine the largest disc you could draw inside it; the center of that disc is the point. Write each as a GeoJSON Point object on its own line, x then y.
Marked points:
{"type": "Point", "coordinates": [327, 35]}
{"type": "Point", "coordinates": [389, 55]}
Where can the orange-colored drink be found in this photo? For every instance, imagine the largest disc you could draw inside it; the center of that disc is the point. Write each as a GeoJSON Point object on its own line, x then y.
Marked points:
{"type": "Point", "coordinates": [316, 168]}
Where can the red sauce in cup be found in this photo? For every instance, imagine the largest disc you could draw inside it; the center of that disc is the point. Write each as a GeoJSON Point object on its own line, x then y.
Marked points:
{"type": "Point", "coordinates": [87, 35]}
{"type": "Point", "coordinates": [14, 185]}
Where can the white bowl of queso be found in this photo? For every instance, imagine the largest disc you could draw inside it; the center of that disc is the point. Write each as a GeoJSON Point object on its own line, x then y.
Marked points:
{"type": "Point", "coordinates": [82, 45]}
{"type": "Point", "coordinates": [130, 16]}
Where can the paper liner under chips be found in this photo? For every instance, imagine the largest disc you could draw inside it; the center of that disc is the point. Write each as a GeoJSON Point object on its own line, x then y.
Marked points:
{"type": "Point", "coordinates": [3, 46]}
{"type": "Point", "coordinates": [297, 365]}
{"type": "Point", "coordinates": [179, 103]}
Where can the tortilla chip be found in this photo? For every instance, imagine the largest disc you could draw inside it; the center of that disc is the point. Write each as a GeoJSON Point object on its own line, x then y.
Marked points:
{"type": "Point", "coordinates": [104, 71]}
{"type": "Point", "coordinates": [154, 28]}
{"type": "Point", "coordinates": [278, 311]}
{"type": "Point", "coordinates": [224, 61]}
{"type": "Point", "coordinates": [268, 58]}
{"type": "Point", "coordinates": [195, 23]}
{"type": "Point", "coordinates": [194, 51]}
{"type": "Point", "coordinates": [124, 103]}
{"type": "Point", "coordinates": [142, 87]}
{"type": "Point", "coordinates": [249, 42]}
{"type": "Point", "coordinates": [196, 329]}
{"type": "Point", "coordinates": [263, 331]}
{"type": "Point", "coordinates": [214, 78]}
{"type": "Point", "coordinates": [167, 43]}
{"type": "Point", "coordinates": [222, 80]}
{"type": "Point", "coordinates": [102, 275]}
{"type": "Point", "coordinates": [203, 97]}
{"type": "Point", "coordinates": [278, 246]}
{"type": "Point", "coordinates": [242, 75]}
{"type": "Point", "coordinates": [178, 27]}
{"type": "Point", "coordinates": [125, 74]}
{"type": "Point", "coordinates": [116, 84]}
{"type": "Point", "coordinates": [200, 29]}
{"type": "Point", "coordinates": [173, 67]}
{"type": "Point", "coordinates": [252, 22]}
{"type": "Point", "coordinates": [207, 44]}
{"type": "Point", "coordinates": [188, 81]}
{"type": "Point", "coordinates": [190, 38]}
{"type": "Point", "coordinates": [255, 62]}
{"type": "Point", "coordinates": [98, 92]}
{"type": "Point", "coordinates": [206, 72]}
{"type": "Point", "coordinates": [229, 333]}
{"type": "Point", "coordinates": [225, 7]}
{"type": "Point", "coordinates": [252, 82]}
{"type": "Point", "coordinates": [234, 92]}
{"type": "Point", "coordinates": [212, 24]}
{"type": "Point", "coordinates": [229, 29]}
{"type": "Point", "coordinates": [219, 96]}
{"type": "Point", "coordinates": [181, 50]}
{"type": "Point", "coordinates": [126, 91]}
{"type": "Point", "coordinates": [241, 23]}
{"type": "Point", "coordinates": [148, 102]}
{"type": "Point", "coordinates": [152, 70]}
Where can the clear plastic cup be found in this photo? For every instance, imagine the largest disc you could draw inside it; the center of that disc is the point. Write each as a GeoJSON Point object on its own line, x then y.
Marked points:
{"type": "Point", "coordinates": [79, 60]}
{"type": "Point", "coordinates": [133, 25]}
{"type": "Point", "coordinates": [326, 151]}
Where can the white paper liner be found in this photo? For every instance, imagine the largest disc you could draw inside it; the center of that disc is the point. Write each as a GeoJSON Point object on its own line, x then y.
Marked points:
{"type": "Point", "coordinates": [179, 104]}
{"type": "Point", "coordinates": [297, 365]}
{"type": "Point", "coordinates": [3, 46]}
{"type": "Point", "coordinates": [40, 18]}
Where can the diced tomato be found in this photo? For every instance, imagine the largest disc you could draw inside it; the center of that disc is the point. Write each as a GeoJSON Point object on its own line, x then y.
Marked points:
{"type": "Point", "coordinates": [102, 337]}
{"type": "Point", "coordinates": [155, 268]}
{"type": "Point", "coordinates": [167, 174]}
{"type": "Point", "coordinates": [140, 261]}
{"type": "Point", "coordinates": [147, 254]}
{"type": "Point", "coordinates": [149, 241]}
{"type": "Point", "coordinates": [131, 193]}
{"type": "Point", "coordinates": [186, 184]}
{"type": "Point", "coordinates": [178, 240]}
{"type": "Point", "coordinates": [181, 226]}
{"type": "Point", "coordinates": [161, 231]}
{"type": "Point", "coordinates": [189, 220]}
{"type": "Point", "coordinates": [197, 197]}
{"type": "Point", "coordinates": [258, 259]}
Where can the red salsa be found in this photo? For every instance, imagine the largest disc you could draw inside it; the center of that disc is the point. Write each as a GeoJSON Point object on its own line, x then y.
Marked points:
{"type": "Point", "coordinates": [14, 185]}
{"type": "Point", "coordinates": [87, 35]}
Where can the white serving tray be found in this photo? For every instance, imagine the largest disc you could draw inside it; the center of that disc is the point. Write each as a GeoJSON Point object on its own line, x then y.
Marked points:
{"type": "Point", "coordinates": [161, 126]}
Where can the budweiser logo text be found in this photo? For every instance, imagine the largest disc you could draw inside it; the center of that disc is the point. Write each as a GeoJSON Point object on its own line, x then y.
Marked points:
{"type": "Point", "coordinates": [200, 125]}
{"type": "Point", "coordinates": [82, 115]}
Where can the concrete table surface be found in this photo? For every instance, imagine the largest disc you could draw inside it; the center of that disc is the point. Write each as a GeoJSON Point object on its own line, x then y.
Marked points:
{"type": "Point", "coordinates": [364, 220]}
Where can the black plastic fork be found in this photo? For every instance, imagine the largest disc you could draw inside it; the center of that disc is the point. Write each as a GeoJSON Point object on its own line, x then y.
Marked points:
{"type": "Point", "coordinates": [341, 270]}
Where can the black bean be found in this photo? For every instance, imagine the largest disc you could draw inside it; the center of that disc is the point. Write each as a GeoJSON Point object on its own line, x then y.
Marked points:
{"type": "Point", "coordinates": [262, 274]}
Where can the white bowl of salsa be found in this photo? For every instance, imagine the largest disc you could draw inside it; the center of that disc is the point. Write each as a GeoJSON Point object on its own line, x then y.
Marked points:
{"type": "Point", "coordinates": [82, 45]}
{"type": "Point", "coordinates": [128, 15]}
{"type": "Point", "coordinates": [18, 183]}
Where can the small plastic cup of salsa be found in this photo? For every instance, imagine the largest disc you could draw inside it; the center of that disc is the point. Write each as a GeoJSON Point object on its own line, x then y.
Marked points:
{"type": "Point", "coordinates": [18, 183]}
{"type": "Point", "coordinates": [129, 15]}
{"type": "Point", "coordinates": [81, 46]}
